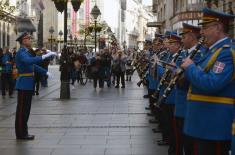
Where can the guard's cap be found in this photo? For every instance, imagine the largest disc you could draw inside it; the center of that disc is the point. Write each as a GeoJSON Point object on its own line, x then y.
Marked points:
{"type": "Point", "coordinates": [157, 35]}
{"type": "Point", "coordinates": [233, 41]}
{"type": "Point", "coordinates": [187, 28]}
{"type": "Point", "coordinates": [22, 35]}
{"type": "Point", "coordinates": [168, 33]}
{"type": "Point", "coordinates": [173, 38]}
{"type": "Point", "coordinates": [210, 15]}
{"type": "Point", "coordinates": [148, 41]}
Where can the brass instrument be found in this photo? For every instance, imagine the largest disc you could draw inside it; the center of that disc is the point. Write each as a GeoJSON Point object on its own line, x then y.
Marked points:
{"type": "Point", "coordinates": [177, 75]}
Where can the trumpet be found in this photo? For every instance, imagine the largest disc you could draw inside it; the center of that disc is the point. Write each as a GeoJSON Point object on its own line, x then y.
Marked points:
{"type": "Point", "coordinates": [178, 74]}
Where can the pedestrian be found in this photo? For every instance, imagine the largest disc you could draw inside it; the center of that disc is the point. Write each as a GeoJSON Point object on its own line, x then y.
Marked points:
{"type": "Point", "coordinates": [129, 67]}
{"type": "Point", "coordinates": [26, 64]}
{"type": "Point", "coordinates": [37, 76]}
{"type": "Point", "coordinates": [44, 65]}
{"type": "Point", "coordinates": [97, 71]}
{"type": "Point", "coordinates": [120, 68]}
{"type": "Point", "coordinates": [107, 60]}
{"type": "Point", "coordinates": [1, 55]}
{"type": "Point", "coordinates": [190, 35]}
{"type": "Point", "coordinates": [7, 67]}
{"type": "Point", "coordinates": [76, 69]}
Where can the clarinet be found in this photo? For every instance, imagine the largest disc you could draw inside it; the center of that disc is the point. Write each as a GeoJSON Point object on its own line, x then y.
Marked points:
{"type": "Point", "coordinates": [144, 73]}
{"type": "Point", "coordinates": [165, 76]}
{"type": "Point", "coordinates": [177, 76]}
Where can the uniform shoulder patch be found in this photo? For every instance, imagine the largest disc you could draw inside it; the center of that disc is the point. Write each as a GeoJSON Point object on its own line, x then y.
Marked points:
{"type": "Point", "coordinates": [218, 67]}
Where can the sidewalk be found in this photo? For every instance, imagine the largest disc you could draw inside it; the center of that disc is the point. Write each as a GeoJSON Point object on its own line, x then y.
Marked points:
{"type": "Point", "coordinates": [106, 121]}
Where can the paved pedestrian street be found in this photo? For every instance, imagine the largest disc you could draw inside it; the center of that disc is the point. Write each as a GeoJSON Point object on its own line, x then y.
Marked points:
{"type": "Point", "coordinates": [106, 121]}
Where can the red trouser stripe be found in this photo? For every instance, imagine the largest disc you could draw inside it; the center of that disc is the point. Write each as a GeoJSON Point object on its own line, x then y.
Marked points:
{"type": "Point", "coordinates": [195, 148]}
{"type": "Point", "coordinates": [218, 148]}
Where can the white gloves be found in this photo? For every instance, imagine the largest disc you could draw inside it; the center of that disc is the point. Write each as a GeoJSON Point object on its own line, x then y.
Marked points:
{"type": "Point", "coordinates": [50, 76]}
{"type": "Point", "coordinates": [49, 54]}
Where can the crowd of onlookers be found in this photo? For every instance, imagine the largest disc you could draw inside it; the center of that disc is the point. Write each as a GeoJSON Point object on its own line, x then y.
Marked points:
{"type": "Point", "coordinates": [111, 66]}
{"type": "Point", "coordinates": [106, 66]}
{"type": "Point", "coordinates": [8, 71]}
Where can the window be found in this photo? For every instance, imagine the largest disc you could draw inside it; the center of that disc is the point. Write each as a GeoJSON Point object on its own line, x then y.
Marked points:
{"type": "Point", "coordinates": [4, 36]}
{"type": "Point", "coordinates": [69, 13]}
{"type": "Point", "coordinates": [81, 13]}
{"type": "Point", "coordinates": [8, 35]}
{"type": "Point", "coordinates": [69, 29]}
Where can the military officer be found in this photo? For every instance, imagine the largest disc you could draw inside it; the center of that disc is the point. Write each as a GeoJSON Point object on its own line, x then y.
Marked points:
{"type": "Point", "coordinates": [210, 98]}
{"type": "Point", "coordinates": [190, 35]}
{"type": "Point", "coordinates": [151, 70]}
{"type": "Point", "coordinates": [26, 65]}
{"type": "Point", "coordinates": [167, 116]}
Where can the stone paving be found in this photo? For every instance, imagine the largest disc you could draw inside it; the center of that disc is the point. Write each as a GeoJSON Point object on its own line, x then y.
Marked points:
{"type": "Point", "coordinates": [106, 121]}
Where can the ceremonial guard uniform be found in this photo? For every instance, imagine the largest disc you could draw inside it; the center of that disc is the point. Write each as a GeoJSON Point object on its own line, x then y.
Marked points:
{"type": "Point", "coordinates": [210, 98]}
{"type": "Point", "coordinates": [167, 114]}
{"type": "Point", "coordinates": [190, 35]}
{"type": "Point", "coordinates": [26, 65]}
{"type": "Point", "coordinates": [152, 75]}
{"type": "Point", "coordinates": [233, 126]}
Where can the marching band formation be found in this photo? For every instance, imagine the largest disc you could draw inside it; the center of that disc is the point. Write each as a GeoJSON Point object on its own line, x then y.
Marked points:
{"type": "Point", "coordinates": [191, 82]}
{"type": "Point", "coordinates": [190, 79]}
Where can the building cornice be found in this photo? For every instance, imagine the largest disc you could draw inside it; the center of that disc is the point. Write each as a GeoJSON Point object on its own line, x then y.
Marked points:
{"type": "Point", "coordinates": [188, 15]}
{"type": "Point", "coordinates": [6, 16]}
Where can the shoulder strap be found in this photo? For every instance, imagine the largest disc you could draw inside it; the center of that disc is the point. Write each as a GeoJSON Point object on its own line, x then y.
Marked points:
{"type": "Point", "coordinates": [212, 59]}
{"type": "Point", "coordinates": [233, 54]}
{"type": "Point", "coordinates": [211, 63]}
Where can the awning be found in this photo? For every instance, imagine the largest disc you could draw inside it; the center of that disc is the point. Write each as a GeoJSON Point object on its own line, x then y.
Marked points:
{"type": "Point", "coordinates": [24, 24]}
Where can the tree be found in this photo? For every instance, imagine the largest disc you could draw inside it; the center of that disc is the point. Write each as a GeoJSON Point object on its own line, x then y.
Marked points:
{"type": "Point", "coordinates": [86, 33]}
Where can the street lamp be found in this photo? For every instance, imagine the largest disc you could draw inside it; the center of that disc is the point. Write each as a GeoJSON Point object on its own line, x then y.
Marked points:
{"type": "Point", "coordinates": [62, 6]}
{"type": "Point", "coordinates": [60, 34]}
{"type": "Point", "coordinates": [51, 31]}
{"type": "Point", "coordinates": [95, 12]}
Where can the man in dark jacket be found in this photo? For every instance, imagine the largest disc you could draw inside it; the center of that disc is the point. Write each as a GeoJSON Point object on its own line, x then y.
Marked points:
{"type": "Point", "coordinates": [7, 66]}
{"type": "Point", "coordinates": [107, 59]}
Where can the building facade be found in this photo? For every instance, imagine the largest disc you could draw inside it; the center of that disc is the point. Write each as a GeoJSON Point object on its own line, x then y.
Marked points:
{"type": "Point", "coordinates": [172, 13]}
{"type": "Point", "coordinates": [227, 6]}
{"type": "Point", "coordinates": [7, 24]}
{"type": "Point", "coordinates": [126, 20]}
{"type": "Point", "coordinates": [7, 33]}
{"type": "Point", "coordinates": [49, 19]}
